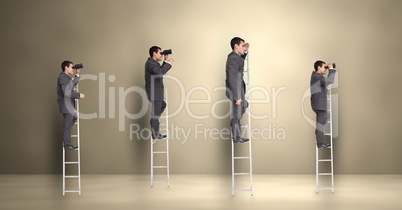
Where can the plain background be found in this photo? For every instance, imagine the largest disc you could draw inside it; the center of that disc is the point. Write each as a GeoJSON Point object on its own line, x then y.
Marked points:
{"type": "Point", "coordinates": [112, 39]}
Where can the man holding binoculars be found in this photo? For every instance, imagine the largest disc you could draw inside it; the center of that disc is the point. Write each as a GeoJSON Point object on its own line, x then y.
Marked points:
{"type": "Point", "coordinates": [66, 96]}
{"type": "Point", "coordinates": [154, 85]}
{"type": "Point", "coordinates": [318, 88]}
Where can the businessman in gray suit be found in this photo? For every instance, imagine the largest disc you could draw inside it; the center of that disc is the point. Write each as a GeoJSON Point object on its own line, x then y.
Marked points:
{"type": "Point", "coordinates": [154, 88]}
{"type": "Point", "coordinates": [66, 96]}
{"type": "Point", "coordinates": [318, 88]}
{"type": "Point", "coordinates": [235, 86]}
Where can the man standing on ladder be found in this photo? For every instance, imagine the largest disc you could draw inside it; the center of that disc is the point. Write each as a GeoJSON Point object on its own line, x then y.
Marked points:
{"type": "Point", "coordinates": [154, 86]}
{"type": "Point", "coordinates": [318, 88]}
{"type": "Point", "coordinates": [235, 86]}
{"type": "Point", "coordinates": [66, 96]}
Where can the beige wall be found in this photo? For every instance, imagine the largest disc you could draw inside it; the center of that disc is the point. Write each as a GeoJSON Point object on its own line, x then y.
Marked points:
{"type": "Point", "coordinates": [112, 38]}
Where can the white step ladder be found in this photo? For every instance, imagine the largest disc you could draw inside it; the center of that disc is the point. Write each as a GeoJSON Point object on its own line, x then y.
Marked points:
{"type": "Point", "coordinates": [77, 162]}
{"type": "Point", "coordinates": [165, 151]}
{"type": "Point", "coordinates": [242, 145]}
{"type": "Point", "coordinates": [324, 152]}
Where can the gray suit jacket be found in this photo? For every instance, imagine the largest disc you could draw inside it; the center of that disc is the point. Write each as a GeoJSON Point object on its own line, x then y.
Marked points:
{"type": "Point", "coordinates": [318, 89]}
{"type": "Point", "coordinates": [66, 94]}
{"type": "Point", "coordinates": [154, 78]}
{"type": "Point", "coordinates": [235, 86]}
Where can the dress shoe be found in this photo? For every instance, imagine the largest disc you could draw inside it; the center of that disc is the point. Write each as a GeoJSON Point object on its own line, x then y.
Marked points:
{"type": "Point", "coordinates": [241, 140]}
{"type": "Point", "coordinates": [244, 140]}
{"type": "Point", "coordinates": [70, 147]}
{"type": "Point", "coordinates": [159, 136]}
{"type": "Point", "coordinates": [325, 146]}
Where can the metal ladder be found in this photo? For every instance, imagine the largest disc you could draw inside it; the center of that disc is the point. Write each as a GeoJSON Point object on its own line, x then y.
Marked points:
{"type": "Point", "coordinates": [77, 162]}
{"type": "Point", "coordinates": [161, 152]}
{"type": "Point", "coordinates": [326, 159]}
{"type": "Point", "coordinates": [249, 156]}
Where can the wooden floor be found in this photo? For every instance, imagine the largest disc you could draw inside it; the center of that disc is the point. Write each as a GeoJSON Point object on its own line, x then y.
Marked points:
{"type": "Point", "coordinates": [193, 192]}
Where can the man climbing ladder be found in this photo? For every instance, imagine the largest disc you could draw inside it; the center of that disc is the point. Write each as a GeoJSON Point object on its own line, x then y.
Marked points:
{"type": "Point", "coordinates": [68, 99]}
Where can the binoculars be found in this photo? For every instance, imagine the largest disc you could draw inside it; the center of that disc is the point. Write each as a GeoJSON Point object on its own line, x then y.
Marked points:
{"type": "Point", "coordinates": [78, 66]}
{"type": "Point", "coordinates": [167, 52]}
{"type": "Point", "coordinates": [333, 65]}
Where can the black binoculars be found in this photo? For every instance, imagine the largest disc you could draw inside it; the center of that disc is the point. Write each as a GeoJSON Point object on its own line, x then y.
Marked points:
{"type": "Point", "coordinates": [167, 52]}
{"type": "Point", "coordinates": [333, 65]}
{"type": "Point", "coordinates": [78, 66]}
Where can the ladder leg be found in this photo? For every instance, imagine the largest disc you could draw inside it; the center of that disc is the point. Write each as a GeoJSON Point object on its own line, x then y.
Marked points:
{"type": "Point", "coordinates": [233, 186]}
{"type": "Point", "coordinates": [251, 164]}
{"type": "Point", "coordinates": [167, 156]}
{"type": "Point", "coordinates": [167, 131]}
{"type": "Point", "coordinates": [331, 138]}
{"type": "Point", "coordinates": [152, 161]}
{"type": "Point", "coordinates": [316, 169]}
{"type": "Point", "coordinates": [79, 149]}
{"type": "Point", "coordinates": [332, 167]}
{"type": "Point", "coordinates": [249, 128]}
{"type": "Point", "coordinates": [79, 146]}
{"type": "Point", "coordinates": [64, 171]}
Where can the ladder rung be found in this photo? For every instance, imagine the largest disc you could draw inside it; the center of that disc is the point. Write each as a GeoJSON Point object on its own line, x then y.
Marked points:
{"type": "Point", "coordinates": [160, 152]}
{"type": "Point", "coordinates": [71, 162]}
{"type": "Point", "coordinates": [237, 158]}
{"type": "Point", "coordinates": [159, 166]}
{"type": "Point", "coordinates": [327, 134]}
{"type": "Point", "coordinates": [71, 191]}
{"type": "Point", "coordinates": [324, 160]}
{"type": "Point", "coordinates": [240, 174]}
{"type": "Point", "coordinates": [74, 136]}
{"type": "Point", "coordinates": [72, 177]}
{"type": "Point", "coordinates": [324, 174]}
{"type": "Point", "coordinates": [160, 181]}
{"type": "Point", "coordinates": [155, 140]}
{"type": "Point", "coordinates": [243, 190]}
{"type": "Point", "coordinates": [245, 142]}
{"type": "Point", "coordinates": [325, 188]}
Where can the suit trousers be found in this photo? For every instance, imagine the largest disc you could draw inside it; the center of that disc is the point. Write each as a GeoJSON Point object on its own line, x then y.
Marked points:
{"type": "Point", "coordinates": [236, 115]}
{"type": "Point", "coordinates": [158, 106]}
{"type": "Point", "coordinates": [68, 122]}
{"type": "Point", "coordinates": [321, 121]}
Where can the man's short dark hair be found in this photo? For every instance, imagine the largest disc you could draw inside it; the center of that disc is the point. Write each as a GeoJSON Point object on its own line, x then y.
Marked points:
{"type": "Point", "coordinates": [153, 49]}
{"type": "Point", "coordinates": [234, 41]}
{"type": "Point", "coordinates": [65, 64]}
{"type": "Point", "coordinates": [318, 64]}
